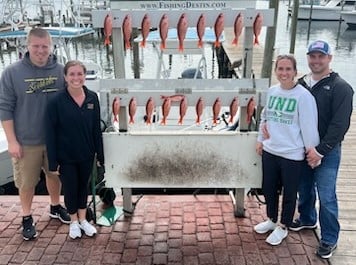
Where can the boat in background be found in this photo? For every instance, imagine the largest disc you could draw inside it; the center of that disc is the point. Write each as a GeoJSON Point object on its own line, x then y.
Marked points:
{"type": "Point", "coordinates": [350, 17]}
{"type": "Point", "coordinates": [323, 10]}
{"type": "Point", "coordinates": [94, 70]}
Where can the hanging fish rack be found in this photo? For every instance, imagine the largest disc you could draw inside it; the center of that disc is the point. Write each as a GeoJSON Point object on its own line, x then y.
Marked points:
{"type": "Point", "coordinates": [155, 155]}
{"type": "Point", "coordinates": [174, 15]}
{"type": "Point", "coordinates": [164, 156]}
{"type": "Point", "coordinates": [192, 16]}
{"type": "Point", "coordinates": [192, 89]}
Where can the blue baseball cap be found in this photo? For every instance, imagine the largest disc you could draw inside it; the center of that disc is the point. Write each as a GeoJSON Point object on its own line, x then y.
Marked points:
{"type": "Point", "coordinates": [319, 46]}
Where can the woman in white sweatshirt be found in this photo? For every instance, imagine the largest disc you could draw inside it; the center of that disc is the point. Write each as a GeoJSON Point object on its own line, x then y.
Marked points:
{"type": "Point", "coordinates": [291, 120]}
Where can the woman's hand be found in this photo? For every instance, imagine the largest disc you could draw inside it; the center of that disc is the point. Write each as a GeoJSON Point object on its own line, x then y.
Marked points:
{"type": "Point", "coordinates": [259, 147]}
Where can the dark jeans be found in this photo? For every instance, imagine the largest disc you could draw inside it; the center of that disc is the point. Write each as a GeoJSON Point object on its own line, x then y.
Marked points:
{"type": "Point", "coordinates": [280, 174]}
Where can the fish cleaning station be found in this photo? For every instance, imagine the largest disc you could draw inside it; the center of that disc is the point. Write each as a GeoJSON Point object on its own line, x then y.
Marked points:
{"type": "Point", "coordinates": [182, 133]}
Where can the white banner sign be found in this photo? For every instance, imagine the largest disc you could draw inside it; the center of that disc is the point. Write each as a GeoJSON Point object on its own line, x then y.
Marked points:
{"type": "Point", "coordinates": [171, 4]}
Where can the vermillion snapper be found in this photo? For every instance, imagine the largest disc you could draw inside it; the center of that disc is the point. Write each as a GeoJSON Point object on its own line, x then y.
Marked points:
{"type": "Point", "coordinates": [218, 29]}
{"type": "Point", "coordinates": [163, 30]}
{"type": "Point", "coordinates": [199, 109]}
{"type": "Point", "coordinates": [116, 108]}
{"type": "Point", "coordinates": [257, 27]}
{"type": "Point", "coordinates": [250, 109]}
{"type": "Point", "coordinates": [166, 107]}
{"type": "Point", "coordinates": [174, 98]}
{"type": "Point", "coordinates": [183, 106]}
{"type": "Point", "coordinates": [107, 29]}
{"type": "Point", "coordinates": [234, 105]}
{"type": "Point", "coordinates": [201, 30]}
{"type": "Point", "coordinates": [216, 110]}
{"type": "Point", "coordinates": [132, 110]}
{"type": "Point", "coordinates": [182, 28]}
{"type": "Point", "coordinates": [150, 105]}
{"type": "Point", "coordinates": [126, 31]}
{"type": "Point", "coordinates": [145, 29]}
{"type": "Point", "coordinates": [238, 25]}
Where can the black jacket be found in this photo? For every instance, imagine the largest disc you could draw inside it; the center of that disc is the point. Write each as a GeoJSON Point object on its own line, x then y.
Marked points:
{"type": "Point", "coordinates": [73, 133]}
{"type": "Point", "coordinates": [333, 97]}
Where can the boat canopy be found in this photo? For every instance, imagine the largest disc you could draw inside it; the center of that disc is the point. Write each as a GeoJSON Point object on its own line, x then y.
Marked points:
{"type": "Point", "coordinates": [56, 32]}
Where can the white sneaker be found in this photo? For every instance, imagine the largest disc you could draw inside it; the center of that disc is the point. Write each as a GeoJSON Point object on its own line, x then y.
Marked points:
{"type": "Point", "coordinates": [88, 229]}
{"type": "Point", "coordinates": [74, 230]}
{"type": "Point", "coordinates": [277, 236]}
{"type": "Point", "coordinates": [265, 226]}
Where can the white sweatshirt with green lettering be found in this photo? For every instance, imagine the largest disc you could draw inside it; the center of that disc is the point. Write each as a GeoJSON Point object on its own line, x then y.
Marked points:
{"type": "Point", "coordinates": [291, 119]}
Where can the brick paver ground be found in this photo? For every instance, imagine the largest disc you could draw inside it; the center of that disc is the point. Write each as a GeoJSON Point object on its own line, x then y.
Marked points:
{"type": "Point", "coordinates": [163, 230]}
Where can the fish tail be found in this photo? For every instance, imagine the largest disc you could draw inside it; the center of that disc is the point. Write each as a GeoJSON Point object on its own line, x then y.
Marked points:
{"type": "Point", "coordinates": [131, 120]}
{"type": "Point", "coordinates": [181, 48]}
{"type": "Point", "coordinates": [128, 46]}
{"type": "Point", "coordinates": [143, 44]}
{"type": "Point", "coordinates": [256, 42]}
{"type": "Point", "coordinates": [200, 44]}
{"type": "Point", "coordinates": [231, 119]}
{"type": "Point", "coordinates": [234, 41]}
{"type": "Point", "coordinates": [180, 121]}
{"type": "Point", "coordinates": [197, 121]}
{"type": "Point", "coordinates": [216, 44]}
{"type": "Point", "coordinates": [115, 118]}
{"type": "Point", "coordinates": [107, 41]}
{"type": "Point", "coordinates": [163, 45]}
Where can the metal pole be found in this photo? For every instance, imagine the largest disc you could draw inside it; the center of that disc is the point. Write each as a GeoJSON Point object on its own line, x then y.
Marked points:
{"type": "Point", "coordinates": [270, 41]}
{"type": "Point", "coordinates": [310, 19]}
{"type": "Point", "coordinates": [136, 54]}
{"type": "Point", "coordinates": [340, 21]}
{"type": "Point", "coordinates": [118, 53]}
{"type": "Point", "coordinates": [294, 26]}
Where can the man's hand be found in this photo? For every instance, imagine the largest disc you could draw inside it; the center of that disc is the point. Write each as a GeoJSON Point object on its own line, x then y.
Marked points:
{"type": "Point", "coordinates": [15, 150]}
{"type": "Point", "coordinates": [313, 157]}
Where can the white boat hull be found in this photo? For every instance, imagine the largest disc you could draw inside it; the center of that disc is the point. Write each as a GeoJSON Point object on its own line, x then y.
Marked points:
{"type": "Point", "coordinates": [6, 174]}
{"type": "Point", "coordinates": [319, 13]}
{"type": "Point", "coordinates": [349, 18]}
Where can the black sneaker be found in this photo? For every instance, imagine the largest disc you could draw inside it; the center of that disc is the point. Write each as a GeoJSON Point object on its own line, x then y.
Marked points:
{"type": "Point", "coordinates": [60, 213]}
{"type": "Point", "coordinates": [28, 228]}
{"type": "Point", "coordinates": [297, 226]}
{"type": "Point", "coordinates": [325, 251]}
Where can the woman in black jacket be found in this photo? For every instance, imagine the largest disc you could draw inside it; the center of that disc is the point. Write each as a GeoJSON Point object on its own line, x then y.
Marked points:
{"type": "Point", "coordinates": [74, 138]}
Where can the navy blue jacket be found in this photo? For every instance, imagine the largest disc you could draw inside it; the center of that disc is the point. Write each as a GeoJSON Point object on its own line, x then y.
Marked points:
{"type": "Point", "coordinates": [73, 133]}
{"type": "Point", "coordinates": [333, 97]}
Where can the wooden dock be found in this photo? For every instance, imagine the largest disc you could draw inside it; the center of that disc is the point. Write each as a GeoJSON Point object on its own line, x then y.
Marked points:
{"type": "Point", "coordinates": [346, 190]}
{"type": "Point", "coordinates": [235, 52]}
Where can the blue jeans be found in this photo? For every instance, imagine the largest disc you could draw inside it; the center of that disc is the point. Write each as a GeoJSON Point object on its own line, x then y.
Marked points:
{"type": "Point", "coordinates": [321, 181]}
